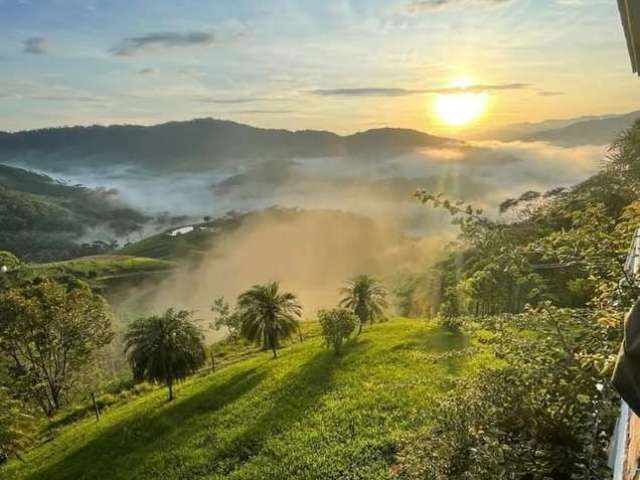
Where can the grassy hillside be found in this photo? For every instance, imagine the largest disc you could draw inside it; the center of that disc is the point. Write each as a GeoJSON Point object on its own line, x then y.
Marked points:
{"type": "Point", "coordinates": [112, 275]}
{"type": "Point", "coordinates": [305, 415]}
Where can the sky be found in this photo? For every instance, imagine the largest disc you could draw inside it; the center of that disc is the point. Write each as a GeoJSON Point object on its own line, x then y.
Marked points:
{"type": "Point", "coordinates": [339, 65]}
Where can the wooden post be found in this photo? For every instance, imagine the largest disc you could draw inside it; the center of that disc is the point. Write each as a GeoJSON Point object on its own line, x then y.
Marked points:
{"type": "Point", "coordinates": [96, 410]}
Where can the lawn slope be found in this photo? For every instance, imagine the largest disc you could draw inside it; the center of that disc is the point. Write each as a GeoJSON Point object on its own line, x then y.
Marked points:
{"type": "Point", "coordinates": [306, 415]}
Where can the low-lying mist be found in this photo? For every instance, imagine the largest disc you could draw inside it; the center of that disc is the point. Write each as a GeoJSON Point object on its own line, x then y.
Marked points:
{"type": "Point", "coordinates": [312, 253]}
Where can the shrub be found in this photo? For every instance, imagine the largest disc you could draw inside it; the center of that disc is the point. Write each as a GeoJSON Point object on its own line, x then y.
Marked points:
{"type": "Point", "coordinates": [337, 324]}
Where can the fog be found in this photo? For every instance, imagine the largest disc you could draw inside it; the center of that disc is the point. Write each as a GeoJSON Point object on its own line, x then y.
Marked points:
{"type": "Point", "coordinates": [315, 252]}
{"type": "Point", "coordinates": [312, 253]}
{"type": "Point", "coordinates": [484, 173]}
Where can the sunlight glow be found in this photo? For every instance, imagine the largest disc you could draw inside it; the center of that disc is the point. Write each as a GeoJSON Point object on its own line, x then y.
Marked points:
{"type": "Point", "coordinates": [458, 109]}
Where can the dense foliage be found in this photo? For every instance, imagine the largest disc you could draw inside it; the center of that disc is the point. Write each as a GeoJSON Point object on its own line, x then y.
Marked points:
{"type": "Point", "coordinates": [48, 333]}
{"type": "Point", "coordinates": [548, 412]}
{"type": "Point", "coordinates": [165, 348]}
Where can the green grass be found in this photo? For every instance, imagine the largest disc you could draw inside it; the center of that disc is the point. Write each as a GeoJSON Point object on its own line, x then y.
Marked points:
{"type": "Point", "coordinates": [103, 266]}
{"type": "Point", "coordinates": [306, 415]}
{"type": "Point", "coordinates": [106, 271]}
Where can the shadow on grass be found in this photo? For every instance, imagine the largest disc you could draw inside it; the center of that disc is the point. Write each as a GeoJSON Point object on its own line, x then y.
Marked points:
{"type": "Point", "coordinates": [446, 347]}
{"type": "Point", "coordinates": [295, 396]}
{"type": "Point", "coordinates": [435, 340]}
{"type": "Point", "coordinates": [99, 458]}
{"type": "Point", "coordinates": [150, 434]}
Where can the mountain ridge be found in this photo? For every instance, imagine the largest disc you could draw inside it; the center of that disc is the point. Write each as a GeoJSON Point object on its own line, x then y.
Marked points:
{"type": "Point", "coordinates": [197, 144]}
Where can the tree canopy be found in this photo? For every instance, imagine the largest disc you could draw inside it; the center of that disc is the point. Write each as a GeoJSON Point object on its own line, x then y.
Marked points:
{"type": "Point", "coordinates": [49, 333]}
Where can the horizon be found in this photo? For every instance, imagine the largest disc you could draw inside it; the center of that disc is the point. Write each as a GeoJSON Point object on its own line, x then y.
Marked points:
{"type": "Point", "coordinates": [571, 120]}
{"type": "Point", "coordinates": [390, 63]}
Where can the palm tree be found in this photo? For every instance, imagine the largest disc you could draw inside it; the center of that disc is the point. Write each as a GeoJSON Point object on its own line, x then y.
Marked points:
{"type": "Point", "coordinates": [268, 315]}
{"type": "Point", "coordinates": [164, 348]}
{"type": "Point", "coordinates": [366, 297]}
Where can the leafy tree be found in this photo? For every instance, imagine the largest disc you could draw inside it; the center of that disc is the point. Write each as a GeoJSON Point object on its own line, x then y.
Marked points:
{"type": "Point", "coordinates": [226, 317]}
{"type": "Point", "coordinates": [366, 297]}
{"type": "Point", "coordinates": [268, 315]}
{"type": "Point", "coordinates": [16, 427]}
{"type": "Point", "coordinates": [165, 348]}
{"type": "Point", "coordinates": [49, 333]}
{"type": "Point", "coordinates": [337, 324]}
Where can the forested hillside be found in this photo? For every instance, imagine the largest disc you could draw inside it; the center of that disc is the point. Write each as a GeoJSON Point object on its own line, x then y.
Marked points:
{"type": "Point", "coordinates": [43, 219]}
{"type": "Point", "coordinates": [200, 144]}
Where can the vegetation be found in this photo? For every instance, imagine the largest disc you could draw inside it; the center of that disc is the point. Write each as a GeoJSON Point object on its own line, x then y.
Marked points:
{"type": "Point", "coordinates": [545, 413]}
{"type": "Point", "coordinates": [16, 427]}
{"type": "Point", "coordinates": [227, 318]}
{"type": "Point", "coordinates": [309, 415]}
{"type": "Point", "coordinates": [268, 315]}
{"type": "Point", "coordinates": [507, 381]}
{"type": "Point", "coordinates": [48, 334]}
{"type": "Point", "coordinates": [548, 412]}
{"type": "Point", "coordinates": [165, 348]}
{"type": "Point", "coordinates": [337, 325]}
{"type": "Point", "coordinates": [43, 219]}
{"type": "Point", "coordinates": [366, 298]}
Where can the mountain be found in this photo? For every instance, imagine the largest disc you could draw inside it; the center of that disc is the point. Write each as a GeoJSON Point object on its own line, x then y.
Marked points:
{"type": "Point", "coordinates": [596, 131]}
{"type": "Point", "coordinates": [517, 131]}
{"type": "Point", "coordinates": [44, 219]}
{"type": "Point", "coordinates": [194, 145]}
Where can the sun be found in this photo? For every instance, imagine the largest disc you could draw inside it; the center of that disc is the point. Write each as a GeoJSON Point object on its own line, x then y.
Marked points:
{"type": "Point", "coordinates": [461, 107]}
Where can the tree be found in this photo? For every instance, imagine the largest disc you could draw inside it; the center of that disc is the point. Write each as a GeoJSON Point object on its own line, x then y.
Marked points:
{"type": "Point", "coordinates": [49, 333]}
{"type": "Point", "coordinates": [337, 324]}
{"type": "Point", "coordinates": [165, 348]}
{"type": "Point", "coordinates": [226, 317]}
{"type": "Point", "coordinates": [268, 315]}
{"type": "Point", "coordinates": [366, 297]}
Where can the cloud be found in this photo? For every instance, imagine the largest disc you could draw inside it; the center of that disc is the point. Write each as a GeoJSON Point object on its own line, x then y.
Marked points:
{"type": "Point", "coordinates": [132, 45]}
{"type": "Point", "coordinates": [365, 92]}
{"type": "Point", "coordinates": [417, 6]}
{"type": "Point", "coordinates": [550, 93]}
{"type": "Point", "coordinates": [263, 111]}
{"type": "Point", "coordinates": [238, 100]}
{"type": "Point", "coordinates": [35, 46]}
{"type": "Point", "coordinates": [147, 71]}
{"type": "Point", "coordinates": [399, 92]}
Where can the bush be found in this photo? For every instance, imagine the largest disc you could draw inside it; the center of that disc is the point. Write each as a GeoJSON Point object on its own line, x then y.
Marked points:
{"type": "Point", "coordinates": [541, 416]}
{"type": "Point", "coordinates": [337, 324]}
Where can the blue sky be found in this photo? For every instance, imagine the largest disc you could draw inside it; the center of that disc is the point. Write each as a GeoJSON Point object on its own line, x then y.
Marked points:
{"type": "Point", "coordinates": [343, 65]}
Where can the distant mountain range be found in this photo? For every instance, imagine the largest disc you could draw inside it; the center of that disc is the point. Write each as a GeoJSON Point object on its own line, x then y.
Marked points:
{"type": "Point", "coordinates": [567, 132]}
{"type": "Point", "coordinates": [195, 145]}
{"type": "Point", "coordinates": [590, 131]}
